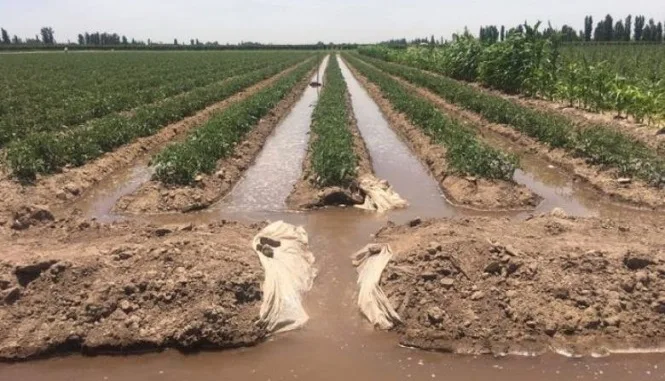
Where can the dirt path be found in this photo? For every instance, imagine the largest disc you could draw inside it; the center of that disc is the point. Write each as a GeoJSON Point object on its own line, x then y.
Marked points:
{"type": "Point", "coordinates": [156, 197]}
{"type": "Point", "coordinates": [62, 189]}
{"type": "Point", "coordinates": [84, 286]}
{"type": "Point", "coordinates": [469, 192]}
{"type": "Point", "coordinates": [637, 193]}
{"type": "Point", "coordinates": [556, 283]}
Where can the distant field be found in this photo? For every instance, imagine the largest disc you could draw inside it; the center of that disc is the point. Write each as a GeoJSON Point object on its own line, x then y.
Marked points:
{"type": "Point", "coordinates": [55, 92]}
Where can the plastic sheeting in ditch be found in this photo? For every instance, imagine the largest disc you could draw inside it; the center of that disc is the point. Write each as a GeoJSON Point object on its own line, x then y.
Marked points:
{"type": "Point", "coordinates": [379, 195]}
{"type": "Point", "coordinates": [370, 262]}
{"type": "Point", "coordinates": [289, 272]}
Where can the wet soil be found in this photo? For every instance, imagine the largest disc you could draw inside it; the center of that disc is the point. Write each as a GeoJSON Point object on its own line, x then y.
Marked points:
{"type": "Point", "coordinates": [78, 285]}
{"type": "Point", "coordinates": [62, 189]}
{"type": "Point", "coordinates": [471, 192]}
{"type": "Point", "coordinates": [308, 194]}
{"type": "Point", "coordinates": [487, 285]}
{"type": "Point", "coordinates": [604, 182]}
{"type": "Point", "coordinates": [155, 197]}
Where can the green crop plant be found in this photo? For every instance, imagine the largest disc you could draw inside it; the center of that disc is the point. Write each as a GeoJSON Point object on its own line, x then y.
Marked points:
{"type": "Point", "coordinates": [333, 159]}
{"type": "Point", "coordinates": [181, 162]}
{"type": "Point", "coordinates": [601, 145]}
{"type": "Point", "coordinates": [465, 154]}
{"type": "Point", "coordinates": [49, 151]}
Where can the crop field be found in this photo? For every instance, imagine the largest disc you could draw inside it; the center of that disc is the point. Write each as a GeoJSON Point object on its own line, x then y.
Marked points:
{"type": "Point", "coordinates": [45, 135]}
{"type": "Point", "coordinates": [626, 80]}
{"type": "Point", "coordinates": [154, 200]}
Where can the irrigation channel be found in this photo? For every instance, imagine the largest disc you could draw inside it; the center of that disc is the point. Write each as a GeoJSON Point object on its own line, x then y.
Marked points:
{"type": "Point", "coordinates": [337, 343]}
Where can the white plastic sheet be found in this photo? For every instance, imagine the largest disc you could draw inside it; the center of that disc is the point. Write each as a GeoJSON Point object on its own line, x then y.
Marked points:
{"type": "Point", "coordinates": [289, 273]}
{"type": "Point", "coordinates": [379, 195]}
{"type": "Point", "coordinates": [370, 262]}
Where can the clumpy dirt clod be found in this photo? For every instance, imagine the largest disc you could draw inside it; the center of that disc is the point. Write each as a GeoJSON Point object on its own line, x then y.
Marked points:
{"type": "Point", "coordinates": [123, 287]}
{"type": "Point", "coordinates": [551, 283]}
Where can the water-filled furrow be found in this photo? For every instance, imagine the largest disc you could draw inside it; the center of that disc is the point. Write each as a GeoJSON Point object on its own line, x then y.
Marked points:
{"type": "Point", "coordinates": [268, 182]}
{"type": "Point", "coordinates": [391, 158]}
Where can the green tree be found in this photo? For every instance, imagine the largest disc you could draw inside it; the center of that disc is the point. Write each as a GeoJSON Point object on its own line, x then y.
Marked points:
{"type": "Point", "coordinates": [639, 27]}
{"type": "Point", "coordinates": [81, 39]}
{"type": "Point", "coordinates": [588, 28]}
{"type": "Point", "coordinates": [628, 28]}
{"type": "Point", "coordinates": [5, 37]}
{"type": "Point", "coordinates": [47, 35]}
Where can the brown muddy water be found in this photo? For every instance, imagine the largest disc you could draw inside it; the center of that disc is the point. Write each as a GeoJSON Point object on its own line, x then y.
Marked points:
{"type": "Point", "coordinates": [337, 342]}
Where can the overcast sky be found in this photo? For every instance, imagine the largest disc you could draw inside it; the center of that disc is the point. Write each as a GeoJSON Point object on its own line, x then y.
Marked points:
{"type": "Point", "coordinates": [298, 21]}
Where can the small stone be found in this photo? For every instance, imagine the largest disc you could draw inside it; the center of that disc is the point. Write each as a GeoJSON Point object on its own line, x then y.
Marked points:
{"type": "Point", "coordinates": [160, 232]}
{"type": "Point", "coordinates": [511, 294]}
{"type": "Point", "coordinates": [636, 261]}
{"type": "Point", "coordinates": [435, 315]}
{"type": "Point", "coordinates": [551, 328]}
{"type": "Point", "coordinates": [27, 273]}
{"type": "Point", "coordinates": [11, 295]}
{"type": "Point", "coordinates": [477, 295]}
{"type": "Point", "coordinates": [220, 174]}
{"type": "Point", "coordinates": [447, 283]}
{"type": "Point", "coordinates": [270, 242]}
{"type": "Point", "coordinates": [531, 324]}
{"type": "Point", "coordinates": [613, 321]}
{"type": "Point", "coordinates": [433, 248]}
{"type": "Point", "coordinates": [559, 213]}
{"type": "Point", "coordinates": [624, 180]}
{"type": "Point", "coordinates": [198, 178]}
{"type": "Point", "coordinates": [493, 268]}
{"type": "Point", "coordinates": [428, 275]}
{"type": "Point", "coordinates": [628, 285]}
{"type": "Point", "coordinates": [126, 306]}
{"type": "Point", "coordinates": [561, 293]}
{"type": "Point", "coordinates": [73, 189]}
{"type": "Point", "coordinates": [415, 222]}
{"type": "Point", "coordinates": [267, 251]}
{"type": "Point", "coordinates": [510, 250]}
{"type": "Point", "coordinates": [642, 277]}
{"type": "Point", "coordinates": [375, 249]}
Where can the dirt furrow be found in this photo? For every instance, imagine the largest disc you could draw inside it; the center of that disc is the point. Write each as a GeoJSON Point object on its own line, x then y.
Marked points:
{"type": "Point", "coordinates": [156, 197]}
{"type": "Point", "coordinates": [471, 192]}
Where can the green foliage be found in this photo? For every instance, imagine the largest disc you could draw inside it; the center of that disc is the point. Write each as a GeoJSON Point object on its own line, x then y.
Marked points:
{"type": "Point", "coordinates": [464, 152]}
{"type": "Point", "coordinates": [601, 145]}
{"type": "Point", "coordinates": [49, 151]}
{"type": "Point", "coordinates": [56, 92]}
{"type": "Point", "coordinates": [179, 163]}
{"type": "Point", "coordinates": [333, 159]}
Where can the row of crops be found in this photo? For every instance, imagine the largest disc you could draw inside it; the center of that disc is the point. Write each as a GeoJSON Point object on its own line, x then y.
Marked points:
{"type": "Point", "coordinates": [598, 144]}
{"type": "Point", "coordinates": [333, 159]}
{"type": "Point", "coordinates": [181, 162]}
{"type": "Point", "coordinates": [628, 80]}
{"type": "Point", "coordinates": [465, 153]}
{"type": "Point", "coordinates": [49, 151]}
{"type": "Point", "coordinates": [56, 92]}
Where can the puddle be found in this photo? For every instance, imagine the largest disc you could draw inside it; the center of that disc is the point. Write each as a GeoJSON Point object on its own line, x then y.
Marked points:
{"type": "Point", "coordinates": [337, 343]}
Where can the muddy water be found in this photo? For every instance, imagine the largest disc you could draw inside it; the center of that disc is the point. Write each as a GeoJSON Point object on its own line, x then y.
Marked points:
{"type": "Point", "coordinates": [560, 189]}
{"type": "Point", "coordinates": [266, 185]}
{"type": "Point", "coordinates": [337, 343]}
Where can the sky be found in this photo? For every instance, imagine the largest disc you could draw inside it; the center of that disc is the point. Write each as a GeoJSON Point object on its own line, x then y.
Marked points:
{"type": "Point", "coordinates": [299, 21]}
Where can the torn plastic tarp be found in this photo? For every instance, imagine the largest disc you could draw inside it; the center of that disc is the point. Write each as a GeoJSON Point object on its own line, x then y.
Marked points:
{"type": "Point", "coordinates": [379, 195]}
{"type": "Point", "coordinates": [289, 272]}
{"type": "Point", "coordinates": [370, 262]}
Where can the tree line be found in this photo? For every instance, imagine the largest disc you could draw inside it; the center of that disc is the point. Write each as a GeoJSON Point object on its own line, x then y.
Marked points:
{"type": "Point", "coordinates": [606, 30]}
